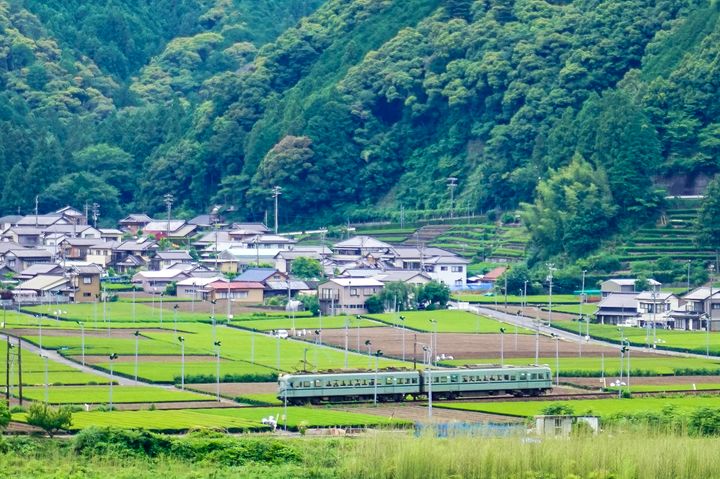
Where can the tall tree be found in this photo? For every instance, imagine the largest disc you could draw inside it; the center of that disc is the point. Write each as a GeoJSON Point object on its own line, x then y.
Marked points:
{"type": "Point", "coordinates": [572, 212]}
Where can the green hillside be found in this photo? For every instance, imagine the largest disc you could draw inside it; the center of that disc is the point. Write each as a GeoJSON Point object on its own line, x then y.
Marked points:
{"type": "Point", "coordinates": [563, 110]}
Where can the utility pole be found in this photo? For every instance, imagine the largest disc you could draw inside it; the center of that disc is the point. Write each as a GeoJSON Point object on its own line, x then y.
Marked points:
{"type": "Point", "coordinates": [217, 345]}
{"type": "Point", "coordinates": [551, 268]}
{"type": "Point", "coordinates": [452, 184]}
{"type": "Point", "coordinates": [96, 213]}
{"type": "Point", "coordinates": [582, 302]}
{"type": "Point", "coordinates": [276, 192]}
{"type": "Point", "coordinates": [168, 198]}
{"type": "Point", "coordinates": [20, 379]}
{"type": "Point", "coordinates": [36, 211]}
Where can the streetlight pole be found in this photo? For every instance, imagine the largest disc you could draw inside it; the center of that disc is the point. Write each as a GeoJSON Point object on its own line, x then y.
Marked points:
{"type": "Point", "coordinates": [39, 332]}
{"type": "Point", "coordinates": [402, 321]}
{"type": "Point", "coordinates": [82, 341]}
{"type": "Point", "coordinates": [113, 357]}
{"type": "Point", "coordinates": [217, 345]}
{"type": "Point", "coordinates": [192, 305]}
{"type": "Point", "coordinates": [452, 184]}
{"type": "Point", "coordinates": [710, 313]}
{"type": "Point", "coordinates": [133, 304]}
{"type": "Point", "coordinates": [502, 347]}
{"type": "Point", "coordinates": [378, 353]}
{"type": "Point", "coordinates": [557, 359]}
{"type": "Point", "coordinates": [182, 362]}
{"type": "Point", "coordinates": [47, 381]}
{"type": "Point", "coordinates": [428, 371]}
{"type": "Point", "coordinates": [368, 343]}
{"type": "Point", "coordinates": [347, 325]}
{"type": "Point", "coordinates": [551, 268]}
{"type": "Point", "coordinates": [137, 347]}
{"type": "Point", "coordinates": [582, 303]}
{"type": "Point", "coordinates": [433, 341]}
{"type": "Point", "coordinates": [276, 192]}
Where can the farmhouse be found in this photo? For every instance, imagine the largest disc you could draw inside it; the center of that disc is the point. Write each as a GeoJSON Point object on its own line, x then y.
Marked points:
{"type": "Point", "coordinates": [247, 292]}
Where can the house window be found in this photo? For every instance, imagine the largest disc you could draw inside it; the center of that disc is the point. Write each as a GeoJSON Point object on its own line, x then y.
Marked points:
{"type": "Point", "coordinates": [240, 294]}
{"type": "Point", "coordinates": [369, 291]}
{"type": "Point", "coordinates": [443, 268]}
{"type": "Point", "coordinates": [87, 295]}
{"type": "Point", "coordinates": [87, 279]}
{"type": "Point", "coordinates": [354, 292]}
{"type": "Point", "coordinates": [457, 269]}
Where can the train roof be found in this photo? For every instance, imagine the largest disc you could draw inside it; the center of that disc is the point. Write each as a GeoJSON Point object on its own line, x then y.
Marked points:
{"type": "Point", "coordinates": [498, 366]}
{"type": "Point", "coordinates": [352, 371]}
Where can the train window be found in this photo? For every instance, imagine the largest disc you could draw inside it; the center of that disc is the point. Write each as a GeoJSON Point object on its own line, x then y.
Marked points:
{"type": "Point", "coordinates": [371, 382]}
{"type": "Point", "coordinates": [318, 383]}
{"type": "Point", "coordinates": [523, 376]}
{"type": "Point", "coordinates": [335, 384]}
{"type": "Point", "coordinates": [306, 384]}
{"type": "Point", "coordinates": [388, 380]}
{"type": "Point", "coordinates": [454, 378]}
{"type": "Point", "coordinates": [435, 379]}
{"type": "Point", "coordinates": [444, 379]}
{"type": "Point", "coordinates": [414, 380]}
{"type": "Point", "coordinates": [364, 382]}
{"type": "Point", "coordinates": [533, 376]}
{"type": "Point", "coordinates": [507, 377]}
{"type": "Point", "coordinates": [465, 379]}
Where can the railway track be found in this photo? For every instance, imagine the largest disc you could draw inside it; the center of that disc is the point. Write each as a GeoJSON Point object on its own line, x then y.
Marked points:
{"type": "Point", "coordinates": [553, 397]}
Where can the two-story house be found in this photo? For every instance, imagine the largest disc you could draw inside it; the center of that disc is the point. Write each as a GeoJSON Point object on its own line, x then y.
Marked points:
{"type": "Point", "coordinates": [347, 295]}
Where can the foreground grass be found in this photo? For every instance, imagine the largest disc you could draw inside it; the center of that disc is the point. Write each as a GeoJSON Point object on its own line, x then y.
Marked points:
{"type": "Point", "coordinates": [629, 456]}
{"type": "Point", "coordinates": [383, 456]}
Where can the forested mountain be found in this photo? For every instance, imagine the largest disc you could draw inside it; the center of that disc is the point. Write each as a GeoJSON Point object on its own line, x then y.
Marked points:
{"type": "Point", "coordinates": [570, 107]}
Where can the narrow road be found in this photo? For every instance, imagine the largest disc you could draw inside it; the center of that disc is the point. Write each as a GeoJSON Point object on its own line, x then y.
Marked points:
{"type": "Point", "coordinates": [532, 324]}
{"type": "Point", "coordinates": [121, 380]}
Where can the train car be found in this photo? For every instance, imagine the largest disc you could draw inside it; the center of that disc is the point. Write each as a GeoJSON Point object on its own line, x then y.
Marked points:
{"type": "Point", "coordinates": [486, 380]}
{"type": "Point", "coordinates": [392, 385]}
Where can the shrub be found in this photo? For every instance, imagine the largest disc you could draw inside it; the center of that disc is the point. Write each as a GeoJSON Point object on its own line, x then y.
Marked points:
{"type": "Point", "coordinates": [704, 422]}
{"type": "Point", "coordinates": [5, 415]}
{"type": "Point", "coordinates": [558, 409]}
{"type": "Point", "coordinates": [96, 441]}
{"type": "Point", "coordinates": [50, 419]}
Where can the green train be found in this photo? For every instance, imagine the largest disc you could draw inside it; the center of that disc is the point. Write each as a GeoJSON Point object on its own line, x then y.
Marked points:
{"type": "Point", "coordinates": [401, 384]}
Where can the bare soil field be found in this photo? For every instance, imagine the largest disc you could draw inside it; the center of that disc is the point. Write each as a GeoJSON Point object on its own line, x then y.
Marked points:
{"type": "Point", "coordinates": [460, 345]}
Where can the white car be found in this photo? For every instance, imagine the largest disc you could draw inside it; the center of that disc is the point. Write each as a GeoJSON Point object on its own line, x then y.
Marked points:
{"type": "Point", "coordinates": [281, 333]}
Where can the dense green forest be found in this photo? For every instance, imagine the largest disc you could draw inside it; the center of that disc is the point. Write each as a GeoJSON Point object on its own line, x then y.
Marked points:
{"type": "Point", "coordinates": [566, 108]}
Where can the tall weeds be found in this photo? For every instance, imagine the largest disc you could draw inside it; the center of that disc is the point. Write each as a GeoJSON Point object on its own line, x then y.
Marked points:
{"type": "Point", "coordinates": [633, 455]}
